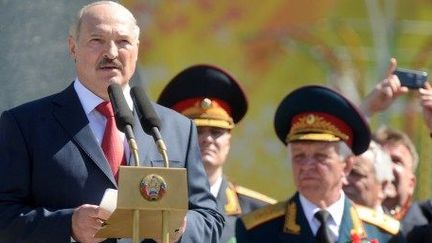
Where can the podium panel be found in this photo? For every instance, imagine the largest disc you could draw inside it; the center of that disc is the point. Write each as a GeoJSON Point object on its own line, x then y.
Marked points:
{"type": "Point", "coordinates": [130, 178]}
{"type": "Point", "coordinates": [120, 225]}
{"type": "Point", "coordinates": [152, 191]}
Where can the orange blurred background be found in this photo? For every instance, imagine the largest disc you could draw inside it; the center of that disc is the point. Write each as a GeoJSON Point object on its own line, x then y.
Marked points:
{"type": "Point", "coordinates": [274, 46]}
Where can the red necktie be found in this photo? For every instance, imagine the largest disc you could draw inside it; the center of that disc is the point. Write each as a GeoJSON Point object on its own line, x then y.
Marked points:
{"type": "Point", "coordinates": [111, 142]}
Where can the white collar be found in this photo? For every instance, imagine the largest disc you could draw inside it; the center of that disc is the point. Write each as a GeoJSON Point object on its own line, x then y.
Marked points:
{"type": "Point", "coordinates": [335, 210]}
{"type": "Point", "coordinates": [89, 100]}
{"type": "Point", "coordinates": [214, 189]}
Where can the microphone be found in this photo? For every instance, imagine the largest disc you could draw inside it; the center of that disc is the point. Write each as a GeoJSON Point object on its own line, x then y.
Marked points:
{"type": "Point", "coordinates": [149, 119]}
{"type": "Point", "coordinates": [123, 117]}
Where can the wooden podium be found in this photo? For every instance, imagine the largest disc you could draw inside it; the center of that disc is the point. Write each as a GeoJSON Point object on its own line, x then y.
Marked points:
{"type": "Point", "coordinates": [151, 203]}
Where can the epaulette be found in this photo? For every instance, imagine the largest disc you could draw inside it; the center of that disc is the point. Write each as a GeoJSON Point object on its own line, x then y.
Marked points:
{"type": "Point", "coordinates": [255, 195]}
{"type": "Point", "coordinates": [232, 206]}
{"type": "Point", "coordinates": [264, 214]}
{"type": "Point", "coordinates": [378, 219]}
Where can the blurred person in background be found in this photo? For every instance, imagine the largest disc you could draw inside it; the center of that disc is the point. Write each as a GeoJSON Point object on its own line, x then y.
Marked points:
{"type": "Point", "coordinates": [370, 180]}
{"type": "Point", "coordinates": [320, 142]}
{"type": "Point", "coordinates": [405, 160]}
{"type": "Point", "coordinates": [215, 101]}
{"type": "Point", "coordinates": [400, 147]}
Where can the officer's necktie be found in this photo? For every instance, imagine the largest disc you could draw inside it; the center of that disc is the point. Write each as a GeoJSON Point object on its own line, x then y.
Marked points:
{"type": "Point", "coordinates": [323, 233]}
{"type": "Point", "coordinates": [111, 142]}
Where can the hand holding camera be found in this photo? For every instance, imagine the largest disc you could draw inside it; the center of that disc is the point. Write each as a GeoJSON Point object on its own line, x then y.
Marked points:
{"type": "Point", "coordinates": [396, 82]}
{"type": "Point", "coordinates": [385, 92]}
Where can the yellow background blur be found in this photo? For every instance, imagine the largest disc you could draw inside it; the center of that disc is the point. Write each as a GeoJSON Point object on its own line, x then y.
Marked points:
{"type": "Point", "coordinates": [274, 46]}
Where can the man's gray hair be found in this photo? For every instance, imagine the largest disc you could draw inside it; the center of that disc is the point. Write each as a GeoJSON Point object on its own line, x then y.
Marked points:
{"type": "Point", "coordinates": [74, 29]}
{"type": "Point", "coordinates": [381, 161]}
{"type": "Point", "coordinates": [342, 148]}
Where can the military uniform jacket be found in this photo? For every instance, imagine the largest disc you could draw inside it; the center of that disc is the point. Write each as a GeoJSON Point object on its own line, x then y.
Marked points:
{"type": "Point", "coordinates": [235, 201]}
{"type": "Point", "coordinates": [286, 222]}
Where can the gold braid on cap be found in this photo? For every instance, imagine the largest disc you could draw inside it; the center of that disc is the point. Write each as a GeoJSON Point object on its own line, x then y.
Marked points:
{"type": "Point", "coordinates": [315, 123]}
{"type": "Point", "coordinates": [207, 112]}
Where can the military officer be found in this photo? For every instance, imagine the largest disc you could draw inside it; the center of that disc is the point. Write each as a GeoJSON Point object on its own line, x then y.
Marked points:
{"type": "Point", "coordinates": [322, 130]}
{"type": "Point", "coordinates": [214, 100]}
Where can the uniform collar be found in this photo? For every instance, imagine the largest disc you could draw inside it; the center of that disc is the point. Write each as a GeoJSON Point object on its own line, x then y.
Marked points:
{"type": "Point", "coordinates": [336, 211]}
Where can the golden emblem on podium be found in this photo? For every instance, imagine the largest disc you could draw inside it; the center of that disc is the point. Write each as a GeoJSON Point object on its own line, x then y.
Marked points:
{"type": "Point", "coordinates": [153, 187]}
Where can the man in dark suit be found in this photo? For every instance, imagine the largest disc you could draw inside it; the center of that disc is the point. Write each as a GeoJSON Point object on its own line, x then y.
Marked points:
{"type": "Point", "coordinates": [321, 130]}
{"type": "Point", "coordinates": [215, 101]}
{"type": "Point", "coordinates": [54, 167]}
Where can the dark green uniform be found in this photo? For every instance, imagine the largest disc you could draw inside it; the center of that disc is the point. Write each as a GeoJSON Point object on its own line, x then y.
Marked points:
{"type": "Point", "coordinates": [286, 222]}
{"type": "Point", "coordinates": [234, 201]}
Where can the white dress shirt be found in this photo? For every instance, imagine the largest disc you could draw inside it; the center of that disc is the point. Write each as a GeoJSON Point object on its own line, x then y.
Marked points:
{"type": "Point", "coordinates": [335, 219]}
{"type": "Point", "coordinates": [97, 121]}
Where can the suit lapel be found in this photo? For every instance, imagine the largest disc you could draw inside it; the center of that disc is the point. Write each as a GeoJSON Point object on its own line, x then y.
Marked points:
{"type": "Point", "coordinates": [305, 234]}
{"type": "Point", "coordinates": [221, 196]}
{"type": "Point", "coordinates": [70, 114]}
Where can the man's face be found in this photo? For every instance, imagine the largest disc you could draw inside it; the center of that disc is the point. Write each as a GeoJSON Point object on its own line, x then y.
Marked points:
{"type": "Point", "coordinates": [106, 49]}
{"type": "Point", "coordinates": [318, 170]}
{"type": "Point", "coordinates": [363, 187]}
{"type": "Point", "coordinates": [214, 145]}
{"type": "Point", "coordinates": [403, 172]}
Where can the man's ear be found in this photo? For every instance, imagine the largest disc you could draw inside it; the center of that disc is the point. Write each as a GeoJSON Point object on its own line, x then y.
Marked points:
{"type": "Point", "coordinates": [349, 163]}
{"type": "Point", "coordinates": [72, 47]}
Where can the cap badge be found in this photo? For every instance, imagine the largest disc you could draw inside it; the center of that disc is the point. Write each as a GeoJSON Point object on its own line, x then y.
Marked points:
{"type": "Point", "coordinates": [310, 119]}
{"type": "Point", "coordinates": [153, 187]}
{"type": "Point", "coordinates": [206, 103]}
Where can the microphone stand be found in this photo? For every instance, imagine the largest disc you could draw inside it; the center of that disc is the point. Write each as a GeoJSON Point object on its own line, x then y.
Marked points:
{"type": "Point", "coordinates": [166, 213]}
{"type": "Point", "coordinates": [163, 151]}
{"type": "Point", "coordinates": [134, 150]}
{"type": "Point", "coordinates": [161, 146]}
{"type": "Point", "coordinates": [133, 146]}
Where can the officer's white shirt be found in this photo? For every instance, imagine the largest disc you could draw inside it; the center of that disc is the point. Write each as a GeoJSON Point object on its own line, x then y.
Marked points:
{"type": "Point", "coordinates": [214, 189]}
{"type": "Point", "coordinates": [335, 219]}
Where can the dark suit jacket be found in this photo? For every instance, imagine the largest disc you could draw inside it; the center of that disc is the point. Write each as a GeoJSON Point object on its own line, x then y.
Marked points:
{"type": "Point", "coordinates": [417, 224]}
{"type": "Point", "coordinates": [234, 207]}
{"type": "Point", "coordinates": [298, 230]}
{"type": "Point", "coordinates": [50, 163]}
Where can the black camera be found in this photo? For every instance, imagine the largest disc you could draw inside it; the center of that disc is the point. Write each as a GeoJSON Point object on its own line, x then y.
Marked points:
{"type": "Point", "coordinates": [412, 79]}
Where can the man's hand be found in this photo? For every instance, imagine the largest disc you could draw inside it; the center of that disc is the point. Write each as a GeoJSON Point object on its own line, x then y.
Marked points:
{"type": "Point", "coordinates": [426, 103]}
{"type": "Point", "coordinates": [384, 93]}
{"type": "Point", "coordinates": [86, 223]}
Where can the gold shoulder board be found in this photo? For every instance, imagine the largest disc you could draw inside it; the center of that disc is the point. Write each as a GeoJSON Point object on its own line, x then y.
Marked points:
{"type": "Point", "coordinates": [253, 194]}
{"type": "Point", "coordinates": [264, 214]}
{"type": "Point", "coordinates": [232, 206]}
{"type": "Point", "coordinates": [379, 219]}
